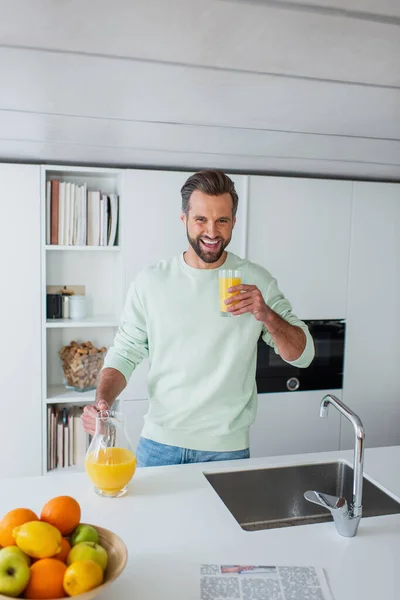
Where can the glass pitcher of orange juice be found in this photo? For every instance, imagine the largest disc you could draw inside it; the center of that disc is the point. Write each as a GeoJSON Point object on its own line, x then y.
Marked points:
{"type": "Point", "coordinates": [110, 462]}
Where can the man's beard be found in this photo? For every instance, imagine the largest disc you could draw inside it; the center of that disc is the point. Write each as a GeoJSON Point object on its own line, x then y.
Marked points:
{"type": "Point", "coordinates": [208, 256]}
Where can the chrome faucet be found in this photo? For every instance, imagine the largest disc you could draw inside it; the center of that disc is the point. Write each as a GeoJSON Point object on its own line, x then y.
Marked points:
{"type": "Point", "coordinates": [346, 518]}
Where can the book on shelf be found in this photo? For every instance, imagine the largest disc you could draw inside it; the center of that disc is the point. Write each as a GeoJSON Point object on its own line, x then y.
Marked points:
{"type": "Point", "coordinates": [48, 212]}
{"type": "Point", "coordinates": [67, 441]}
{"type": "Point", "coordinates": [53, 205]}
{"type": "Point", "coordinates": [93, 211]}
{"type": "Point", "coordinates": [112, 219]}
{"type": "Point", "coordinates": [76, 216]}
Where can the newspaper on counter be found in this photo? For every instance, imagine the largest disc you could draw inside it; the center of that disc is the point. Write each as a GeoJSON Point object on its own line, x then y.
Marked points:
{"type": "Point", "coordinates": [260, 582]}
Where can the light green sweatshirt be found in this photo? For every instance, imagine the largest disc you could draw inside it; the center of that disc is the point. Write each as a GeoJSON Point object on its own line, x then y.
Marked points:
{"type": "Point", "coordinates": [202, 390]}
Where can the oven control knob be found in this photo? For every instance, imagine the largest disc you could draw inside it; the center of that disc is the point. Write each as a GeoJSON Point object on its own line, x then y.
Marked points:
{"type": "Point", "coordinates": [293, 384]}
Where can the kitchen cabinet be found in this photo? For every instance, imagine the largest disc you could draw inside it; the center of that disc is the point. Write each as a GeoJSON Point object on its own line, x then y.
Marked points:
{"type": "Point", "coordinates": [153, 231]}
{"type": "Point", "coordinates": [135, 411]}
{"type": "Point", "coordinates": [20, 321]}
{"type": "Point", "coordinates": [299, 230]}
{"type": "Point", "coordinates": [372, 360]}
{"type": "Point", "coordinates": [334, 247]}
{"type": "Point", "coordinates": [289, 423]}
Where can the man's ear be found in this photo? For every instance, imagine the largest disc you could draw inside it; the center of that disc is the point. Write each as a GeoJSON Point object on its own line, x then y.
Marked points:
{"type": "Point", "coordinates": [233, 222]}
{"type": "Point", "coordinates": [183, 218]}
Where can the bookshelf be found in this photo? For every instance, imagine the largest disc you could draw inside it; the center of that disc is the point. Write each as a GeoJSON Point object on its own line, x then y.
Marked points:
{"type": "Point", "coordinates": [99, 268]}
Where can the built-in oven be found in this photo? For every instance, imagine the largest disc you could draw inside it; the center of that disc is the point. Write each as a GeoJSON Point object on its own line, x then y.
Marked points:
{"type": "Point", "coordinates": [325, 372]}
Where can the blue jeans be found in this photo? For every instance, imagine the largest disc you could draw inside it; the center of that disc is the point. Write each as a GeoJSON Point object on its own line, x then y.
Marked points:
{"type": "Point", "coordinates": [153, 454]}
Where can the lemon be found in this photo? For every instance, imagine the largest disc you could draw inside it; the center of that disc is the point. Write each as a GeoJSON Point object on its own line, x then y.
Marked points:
{"type": "Point", "coordinates": [82, 576]}
{"type": "Point", "coordinates": [38, 539]}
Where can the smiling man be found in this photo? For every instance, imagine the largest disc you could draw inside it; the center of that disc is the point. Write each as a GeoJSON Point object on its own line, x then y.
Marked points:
{"type": "Point", "coordinates": [202, 390]}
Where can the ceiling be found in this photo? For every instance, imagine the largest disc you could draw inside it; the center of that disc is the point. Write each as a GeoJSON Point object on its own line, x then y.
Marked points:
{"type": "Point", "coordinates": [279, 86]}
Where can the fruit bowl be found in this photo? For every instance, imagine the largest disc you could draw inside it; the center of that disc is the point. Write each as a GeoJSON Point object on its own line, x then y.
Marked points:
{"type": "Point", "coordinates": [117, 558]}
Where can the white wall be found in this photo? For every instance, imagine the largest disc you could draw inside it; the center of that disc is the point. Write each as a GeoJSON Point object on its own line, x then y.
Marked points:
{"type": "Point", "coordinates": [20, 321]}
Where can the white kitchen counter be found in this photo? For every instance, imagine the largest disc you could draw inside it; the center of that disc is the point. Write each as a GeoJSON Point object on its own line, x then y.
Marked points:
{"type": "Point", "coordinates": [172, 521]}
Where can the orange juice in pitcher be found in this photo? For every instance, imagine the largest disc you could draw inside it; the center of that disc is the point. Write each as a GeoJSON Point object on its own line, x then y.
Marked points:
{"type": "Point", "coordinates": [111, 469]}
{"type": "Point", "coordinates": [110, 463]}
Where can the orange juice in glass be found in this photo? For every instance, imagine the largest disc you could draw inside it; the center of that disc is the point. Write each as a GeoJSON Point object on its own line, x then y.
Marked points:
{"type": "Point", "coordinates": [110, 463]}
{"type": "Point", "coordinates": [227, 279]}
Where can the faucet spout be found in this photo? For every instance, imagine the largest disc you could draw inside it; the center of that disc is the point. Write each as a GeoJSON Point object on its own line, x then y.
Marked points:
{"type": "Point", "coordinates": [347, 521]}
{"type": "Point", "coordinates": [358, 462]}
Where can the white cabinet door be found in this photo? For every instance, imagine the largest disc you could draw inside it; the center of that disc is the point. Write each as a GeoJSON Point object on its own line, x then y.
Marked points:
{"type": "Point", "coordinates": [299, 229]}
{"type": "Point", "coordinates": [20, 321]}
{"type": "Point", "coordinates": [134, 411]}
{"type": "Point", "coordinates": [289, 423]}
{"type": "Point", "coordinates": [372, 362]}
{"type": "Point", "coordinates": [152, 231]}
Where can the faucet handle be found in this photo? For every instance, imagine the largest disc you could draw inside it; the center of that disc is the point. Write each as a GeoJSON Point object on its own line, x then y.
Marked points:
{"type": "Point", "coordinates": [336, 504]}
{"type": "Point", "coordinates": [346, 523]}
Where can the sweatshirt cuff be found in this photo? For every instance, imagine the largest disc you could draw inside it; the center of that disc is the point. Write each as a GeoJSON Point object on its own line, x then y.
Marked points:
{"type": "Point", "coordinates": [306, 358]}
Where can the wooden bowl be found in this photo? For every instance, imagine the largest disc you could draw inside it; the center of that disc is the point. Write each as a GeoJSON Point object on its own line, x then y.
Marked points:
{"type": "Point", "coordinates": [117, 558]}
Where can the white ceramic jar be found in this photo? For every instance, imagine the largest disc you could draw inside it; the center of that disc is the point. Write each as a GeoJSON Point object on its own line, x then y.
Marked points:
{"type": "Point", "coordinates": [77, 307]}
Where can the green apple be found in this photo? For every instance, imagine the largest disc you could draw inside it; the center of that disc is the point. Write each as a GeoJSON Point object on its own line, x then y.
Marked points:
{"type": "Point", "coordinates": [14, 574]}
{"type": "Point", "coordinates": [15, 551]}
{"type": "Point", "coordinates": [84, 533]}
{"type": "Point", "coordinates": [88, 551]}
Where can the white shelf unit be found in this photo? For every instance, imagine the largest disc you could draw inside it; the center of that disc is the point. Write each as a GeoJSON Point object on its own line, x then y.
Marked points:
{"type": "Point", "coordinates": [65, 470]}
{"type": "Point", "coordinates": [100, 270]}
{"type": "Point", "coordinates": [58, 394]}
{"type": "Point", "coordinates": [82, 248]}
{"type": "Point", "coordinates": [100, 321]}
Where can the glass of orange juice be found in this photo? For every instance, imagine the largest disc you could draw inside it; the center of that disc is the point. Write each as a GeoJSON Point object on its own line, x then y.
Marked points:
{"type": "Point", "coordinates": [110, 462]}
{"type": "Point", "coordinates": [227, 279]}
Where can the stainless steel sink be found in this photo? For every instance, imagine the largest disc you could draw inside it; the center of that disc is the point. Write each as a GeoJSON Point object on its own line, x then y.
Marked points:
{"type": "Point", "coordinates": [269, 498]}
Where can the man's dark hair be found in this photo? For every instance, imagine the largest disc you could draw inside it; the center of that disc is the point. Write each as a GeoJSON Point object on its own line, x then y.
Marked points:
{"type": "Point", "coordinates": [212, 183]}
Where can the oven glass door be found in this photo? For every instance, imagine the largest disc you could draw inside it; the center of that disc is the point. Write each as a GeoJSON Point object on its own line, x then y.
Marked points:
{"type": "Point", "coordinates": [326, 370]}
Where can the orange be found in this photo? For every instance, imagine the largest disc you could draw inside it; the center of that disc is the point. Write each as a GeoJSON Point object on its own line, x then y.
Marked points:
{"type": "Point", "coordinates": [65, 548]}
{"type": "Point", "coordinates": [47, 576]}
{"type": "Point", "coordinates": [14, 518]}
{"type": "Point", "coordinates": [63, 512]}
